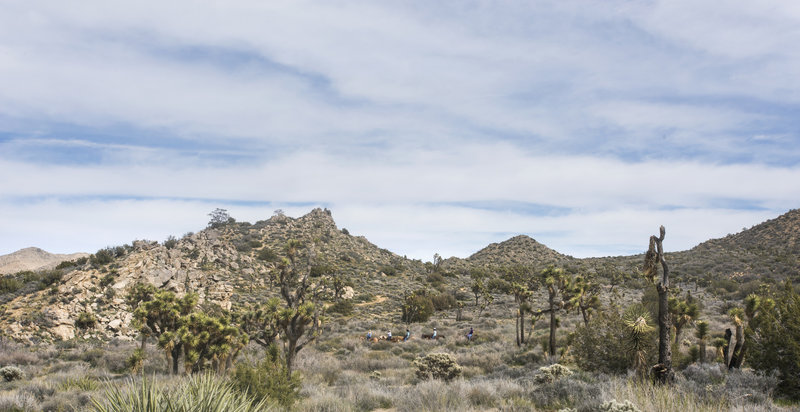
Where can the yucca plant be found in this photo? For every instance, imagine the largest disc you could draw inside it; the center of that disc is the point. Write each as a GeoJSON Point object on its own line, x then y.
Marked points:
{"type": "Point", "coordinates": [637, 319]}
{"type": "Point", "coordinates": [197, 393]}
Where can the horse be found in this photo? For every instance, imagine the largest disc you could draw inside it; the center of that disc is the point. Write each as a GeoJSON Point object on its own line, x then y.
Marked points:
{"type": "Point", "coordinates": [430, 336]}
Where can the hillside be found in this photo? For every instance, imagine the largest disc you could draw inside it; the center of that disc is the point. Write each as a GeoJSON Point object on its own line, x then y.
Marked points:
{"type": "Point", "coordinates": [519, 250]}
{"type": "Point", "coordinates": [33, 258]}
{"type": "Point", "coordinates": [227, 266]}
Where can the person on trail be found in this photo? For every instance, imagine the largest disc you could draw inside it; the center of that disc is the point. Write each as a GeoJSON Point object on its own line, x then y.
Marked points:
{"type": "Point", "coordinates": [389, 335]}
{"type": "Point", "coordinates": [408, 335]}
{"type": "Point", "coordinates": [369, 335]}
{"type": "Point", "coordinates": [434, 334]}
{"type": "Point", "coordinates": [469, 335]}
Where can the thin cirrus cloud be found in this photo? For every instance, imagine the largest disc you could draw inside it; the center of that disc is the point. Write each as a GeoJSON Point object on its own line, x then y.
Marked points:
{"type": "Point", "coordinates": [426, 127]}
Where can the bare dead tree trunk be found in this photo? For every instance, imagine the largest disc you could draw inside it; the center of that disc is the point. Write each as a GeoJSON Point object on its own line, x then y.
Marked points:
{"type": "Point", "coordinates": [726, 348]}
{"type": "Point", "coordinates": [738, 349]}
{"type": "Point", "coordinates": [663, 372]}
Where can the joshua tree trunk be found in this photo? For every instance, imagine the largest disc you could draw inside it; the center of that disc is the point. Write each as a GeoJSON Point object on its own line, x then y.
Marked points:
{"type": "Point", "coordinates": [725, 349]}
{"type": "Point", "coordinates": [738, 351]}
{"type": "Point", "coordinates": [655, 254]}
{"type": "Point", "coordinates": [702, 351]}
{"type": "Point", "coordinates": [516, 327]}
{"type": "Point", "coordinates": [175, 353]}
{"type": "Point", "coordinates": [552, 342]}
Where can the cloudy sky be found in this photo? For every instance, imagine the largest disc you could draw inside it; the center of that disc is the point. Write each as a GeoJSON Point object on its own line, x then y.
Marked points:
{"type": "Point", "coordinates": [424, 126]}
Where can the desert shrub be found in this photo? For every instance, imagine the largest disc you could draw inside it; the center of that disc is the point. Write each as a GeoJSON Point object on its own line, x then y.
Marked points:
{"type": "Point", "coordinates": [343, 307]}
{"type": "Point", "coordinates": [18, 402]}
{"type": "Point", "coordinates": [171, 242]}
{"type": "Point", "coordinates": [604, 345]}
{"type": "Point", "coordinates": [108, 279]}
{"type": "Point", "coordinates": [39, 391]}
{"type": "Point", "coordinates": [103, 256]}
{"type": "Point", "coordinates": [267, 380]}
{"type": "Point", "coordinates": [552, 373]}
{"type": "Point", "coordinates": [85, 320]}
{"type": "Point", "coordinates": [266, 254]}
{"type": "Point", "coordinates": [567, 392]}
{"type": "Point", "coordinates": [614, 406]}
{"type": "Point", "coordinates": [48, 278]}
{"type": "Point", "coordinates": [9, 284]}
{"type": "Point", "coordinates": [388, 270]}
{"type": "Point", "coordinates": [437, 366]}
{"type": "Point", "coordinates": [443, 301]}
{"type": "Point", "coordinates": [774, 338]}
{"type": "Point", "coordinates": [435, 279]}
{"type": "Point", "coordinates": [11, 373]}
{"type": "Point", "coordinates": [417, 307]}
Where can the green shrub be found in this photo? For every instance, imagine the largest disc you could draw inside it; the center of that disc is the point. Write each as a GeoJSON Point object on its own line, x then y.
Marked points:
{"type": "Point", "coordinates": [103, 256]}
{"type": "Point", "coordinates": [9, 284]}
{"type": "Point", "coordinates": [11, 373]}
{"type": "Point", "coordinates": [267, 380]}
{"type": "Point", "coordinates": [417, 307]}
{"type": "Point", "coordinates": [437, 366]}
{"type": "Point", "coordinates": [171, 242]}
{"type": "Point", "coordinates": [266, 254]}
{"type": "Point", "coordinates": [443, 301]}
{"type": "Point", "coordinates": [343, 307]}
{"type": "Point", "coordinates": [86, 320]}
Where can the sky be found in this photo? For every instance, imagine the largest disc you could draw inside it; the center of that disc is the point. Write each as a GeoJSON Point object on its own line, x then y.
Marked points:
{"type": "Point", "coordinates": [428, 127]}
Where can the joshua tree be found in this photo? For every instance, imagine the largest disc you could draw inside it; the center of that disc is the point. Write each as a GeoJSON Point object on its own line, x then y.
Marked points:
{"type": "Point", "coordinates": [655, 255]}
{"type": "Point", "coordinates": [637, 320]}
{"type": "Point", "coordinates": [558, 285]}
{"type": "Point", "coordinates": [738, 316]}
{"type": "Point", "coordinates": [683, 313]}
{"type": "Point", "coordinates": [583, 295]}
{"type": "Point", "coordinates": [702, 335]}
{"type": "Point", "coordinates": [519, 282]}
{"type": "Point", "coordinates": [298, 318]}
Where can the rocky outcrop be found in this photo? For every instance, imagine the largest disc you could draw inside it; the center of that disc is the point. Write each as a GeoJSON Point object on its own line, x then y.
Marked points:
{"type": "Point", "coordinates": [226, 266]}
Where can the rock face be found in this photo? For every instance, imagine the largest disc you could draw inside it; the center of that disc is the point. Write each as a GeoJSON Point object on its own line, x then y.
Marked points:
{"type": "Point", "coordinates": [33, 259]}
{"type": "Point", "coordinates": [227, 266]}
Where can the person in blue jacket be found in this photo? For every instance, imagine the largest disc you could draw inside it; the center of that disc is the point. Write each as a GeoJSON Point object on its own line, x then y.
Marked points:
{"type": "Point", "coordinates": [408, 335]}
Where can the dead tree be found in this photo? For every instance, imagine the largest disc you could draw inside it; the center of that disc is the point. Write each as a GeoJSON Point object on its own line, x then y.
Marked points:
{"type": "Point", "coordinates": [662, 372]}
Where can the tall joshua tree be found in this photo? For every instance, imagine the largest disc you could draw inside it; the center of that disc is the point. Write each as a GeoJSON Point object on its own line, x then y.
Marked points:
{"type": "Point", "coordinates": [663, 372]}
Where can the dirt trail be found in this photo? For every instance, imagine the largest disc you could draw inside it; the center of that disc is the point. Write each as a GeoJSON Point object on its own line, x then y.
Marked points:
{"type": "Point", "coordinates": [378, 299]}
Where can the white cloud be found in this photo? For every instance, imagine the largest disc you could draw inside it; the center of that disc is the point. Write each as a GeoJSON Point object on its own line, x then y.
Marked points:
{"type": "Point", "coordinates": [628, 115]}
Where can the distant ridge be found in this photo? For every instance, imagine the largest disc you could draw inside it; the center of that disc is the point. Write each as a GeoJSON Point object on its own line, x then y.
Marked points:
{"type": "Point", "coordinates": [33, 258]}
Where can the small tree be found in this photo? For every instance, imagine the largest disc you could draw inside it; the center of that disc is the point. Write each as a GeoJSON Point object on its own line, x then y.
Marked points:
{"type": "Point", "coordinates": [417, 307]}
{"type": "Point", "coordinates": [219, 217]}
{"type": "Point", "coordinates": [163, 316]}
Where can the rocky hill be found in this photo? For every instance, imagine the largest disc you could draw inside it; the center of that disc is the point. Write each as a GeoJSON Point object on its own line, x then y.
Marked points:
{"type": "Point", "coordinates": [33, 258]}
{"type": "Point", "coordinates": [519, 250]}
{"type": "Point", "coordinates": [227, 266]}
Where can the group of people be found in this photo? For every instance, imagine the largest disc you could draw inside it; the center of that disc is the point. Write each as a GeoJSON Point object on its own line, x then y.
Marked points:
{"type": "Point", "coordinates": [434, 335]}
